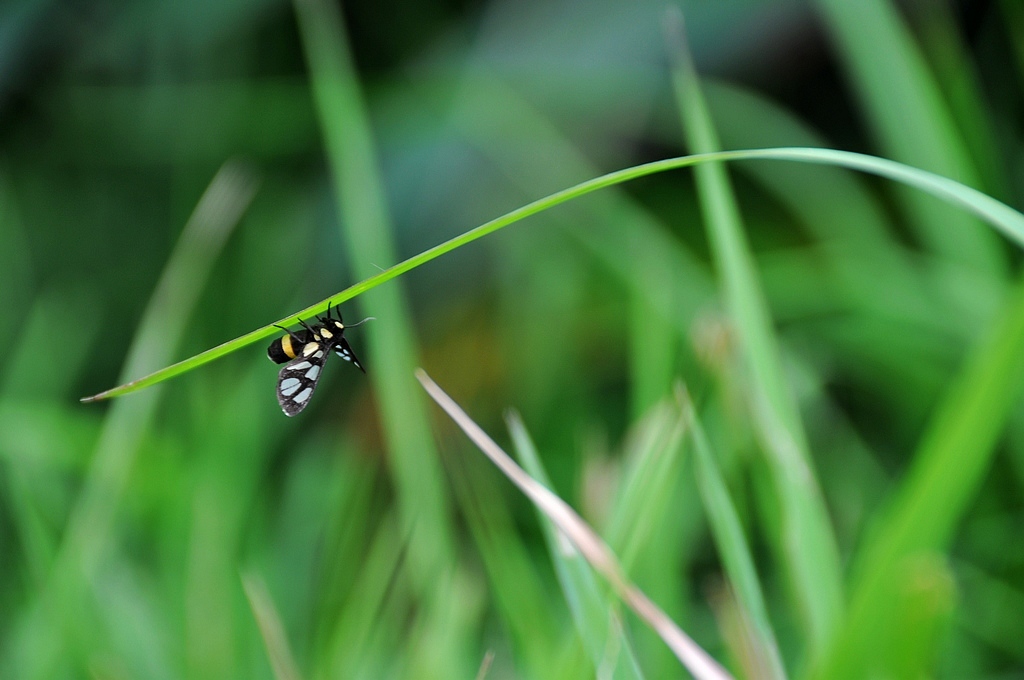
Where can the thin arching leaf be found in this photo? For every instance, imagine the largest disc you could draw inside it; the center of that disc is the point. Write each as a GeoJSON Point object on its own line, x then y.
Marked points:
{"type": "Point", "coordinates": [996, 213]}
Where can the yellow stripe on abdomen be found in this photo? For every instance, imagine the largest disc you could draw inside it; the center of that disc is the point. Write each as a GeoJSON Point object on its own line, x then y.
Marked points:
{"type": "Point", "coordinates": [286, 345]}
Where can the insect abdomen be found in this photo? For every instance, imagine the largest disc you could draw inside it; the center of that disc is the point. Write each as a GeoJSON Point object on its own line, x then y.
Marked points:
{"type": "Point", "coordinates": [285, 349]}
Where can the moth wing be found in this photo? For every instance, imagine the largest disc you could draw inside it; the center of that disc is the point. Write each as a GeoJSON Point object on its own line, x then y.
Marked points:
{"type": "Point", "coordinates": [297, 380]}
{"type": "Point", "coordinates": [344, 350]}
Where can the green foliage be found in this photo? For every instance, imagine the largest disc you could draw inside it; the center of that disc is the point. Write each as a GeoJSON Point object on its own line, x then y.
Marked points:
{"type": "Point", "coordinates": [839, 499]}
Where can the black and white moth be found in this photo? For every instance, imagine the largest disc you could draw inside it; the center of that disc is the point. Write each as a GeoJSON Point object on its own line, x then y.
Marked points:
{"type": "Point", "coordinates": [306, 352]}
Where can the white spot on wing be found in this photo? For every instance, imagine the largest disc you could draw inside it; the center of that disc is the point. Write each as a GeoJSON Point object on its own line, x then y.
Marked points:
{"type": "Point", "coordinates": [303, 395]}
{"type": "Point", "coordinates": [289, 386]}
{"type": "Point", "coordinates": [318, 355]}
{"type": "Point", "coordinates": [299, 366]}
{"type": "Point", "coordinates": [312, 373]}
{"type": "Point", "coordinates": [309, 348]}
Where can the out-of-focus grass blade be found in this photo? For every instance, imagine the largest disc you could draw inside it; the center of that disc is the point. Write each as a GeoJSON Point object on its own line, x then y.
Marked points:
{"type": "Point", "coordinates": [366, 227]}
{"type": "Point", "coordinates": [30, 379]}
{"type": "Point", "coordinates": [732, 543]}
{"type": "Point", "coordinates": [991, 609]}
{"type": "Point", "coordinates": [348, 651]}
{"type": "Point", "coordinates": [129, 604]}
{"type": "Point", "coordinates": [943, 44]}
{"type": "Point", "coordinates": [596, 618]}
{"type": "Point", "coordinates": [226, 467]}
{"type": "Point", "coordinates": [583, 538]}
{"type": "Point", "coordinates": [905, 108]}
{"type": "Point", "coordinates": [808, 546]}
{"type": "Point", "coordinates": [349, 520]}
{"type": "Point", "coordinates": [954, 454]}
{"type": "Point", "coordinates": [836, 207]}
{"type": "Point", "coordinates": [40, 442]}
{"type": "Point", "coordinates": [655, 523]}
{"type": "Point", "coordinates": [275, 639]}
{"type": "Point", "coordinates": [159, 333]}
{"type": "Point", "coordinates": [322, 520]}
{"type": "Point", "coordinates": [160, 330]}
{"type": "Point", "coordinates": [518, 593]}
{"type": "Point", "coordinates": [653, 347]}
{"type": "Point", "coordinates": [1000, 216]}
{"type": "Point", "coordinates": [651, 473]}
{"type": "Point", "coordinates": [485, 665]}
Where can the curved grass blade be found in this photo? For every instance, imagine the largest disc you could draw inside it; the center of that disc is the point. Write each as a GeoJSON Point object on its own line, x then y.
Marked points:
{"type": "Point", "coordinates": [1002, 217]}
{"type": "Point", "coordinates": [700, 664]}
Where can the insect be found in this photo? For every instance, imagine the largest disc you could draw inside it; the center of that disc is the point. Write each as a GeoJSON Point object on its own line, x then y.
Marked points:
{"type": "Point", "coordinates": [304, 354]}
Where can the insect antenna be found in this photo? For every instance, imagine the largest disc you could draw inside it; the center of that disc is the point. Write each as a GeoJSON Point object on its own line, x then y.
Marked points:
{"type": "Point", "coordinates": [324, 321]}
{"type": "Point", "coordinates": [369, 318]}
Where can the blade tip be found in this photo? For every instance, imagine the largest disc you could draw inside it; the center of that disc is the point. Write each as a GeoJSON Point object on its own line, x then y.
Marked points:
{"type": "Point", "coordinates": [100, 396]}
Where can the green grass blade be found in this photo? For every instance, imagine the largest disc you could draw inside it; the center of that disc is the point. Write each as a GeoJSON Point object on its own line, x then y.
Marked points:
{"type": "Point", "coordinates": [518, 593]}
{"type": "Point", "coordinates": [732, 544]}
{"type": "Point", "coordinates": [992, 609]}
{"type": "Point", "coordinates": [24, 378]}
{"type": "Point", "coordinates": [366, 227]}
{"type": "Point", "coordinates": [953, 457]}
{"type": "Point", "coordinates": [594, 614]}
{"type": "Point", "coordinates": [654, 523]}
{"type": "Point", "coordinates": [651, 473]}
{"type": "Point", "coordinates": [225, 469]}
{"type": "Point", "coordinates": [39, 442]}
{"type": "Point", "coordinates": [904, 107]}
{"type": "Point", "coordinates": [808, 549]}
{"type": "Point", "coordinates": [947, 51]}
{"type": "Point", "coordinates": [275, 639]}
{"type": "Point", "coordinates": [1002, 217]}
{"type": "Point", "coordinates": [364, 614]}
{"type": "Point", "coordinates": [573, 529]}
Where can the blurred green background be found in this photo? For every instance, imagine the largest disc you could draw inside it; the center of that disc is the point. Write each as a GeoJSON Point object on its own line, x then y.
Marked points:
{"type": "Point", "coordinates": [174, 174]}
